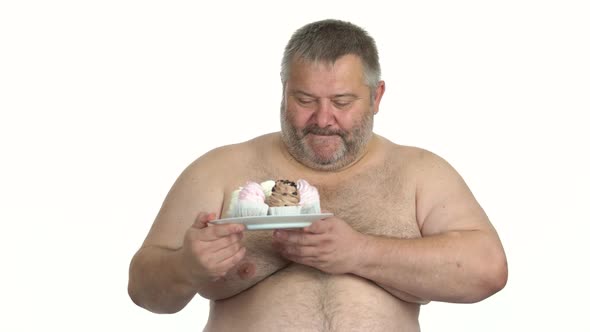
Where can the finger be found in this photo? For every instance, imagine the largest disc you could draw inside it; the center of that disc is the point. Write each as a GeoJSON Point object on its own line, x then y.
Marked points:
{"type": "Point", "coordinates": [309, 261]}
{"type": "Point", "coordinates": [225, 242]}
{"type": "Point", "coordinates": [215, 257]}
{"type": "Point", "coordinates": [211, 216]}
{"type": "Point", "coordinates": [231, 260]}
{"type": "Point", "coordinates": [215, 232]}
{"type": "Point", "coordinates": [201, 220]}
{"type": "Point", "coordinates": [296, 237]}
{"type": "Point", "coordinates": [277, 246]}
{"type": "Point", "coordinates": [319, 226]}
{"type": "Point", "coordinates": [301, 251]}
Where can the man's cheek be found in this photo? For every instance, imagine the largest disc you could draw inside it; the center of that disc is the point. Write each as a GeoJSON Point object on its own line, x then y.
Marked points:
{"type": "Point", "coordinates": [299, 117]}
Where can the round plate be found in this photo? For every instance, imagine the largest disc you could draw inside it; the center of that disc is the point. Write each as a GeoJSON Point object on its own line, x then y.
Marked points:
{"type": "Point", "coordinates": [274, 222]}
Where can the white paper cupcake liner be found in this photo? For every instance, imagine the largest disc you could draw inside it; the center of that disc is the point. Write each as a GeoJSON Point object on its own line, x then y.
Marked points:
{"type": "Point", "coordinates": [311, 208]}
{"type": "Point", "coordinates": [232, 210]}
{"type": "Point", "coordinates": [251, 209]}
{"type": "Point", "coordinates": [284, 210]}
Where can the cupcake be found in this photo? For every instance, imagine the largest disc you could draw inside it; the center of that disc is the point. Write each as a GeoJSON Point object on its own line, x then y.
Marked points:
{"type": "Point", "coordinates": [267, 188]}
{"type": "Point", "coordinates": [232, 210]}
{"type": "Point", "coordinates": [250, 201]}
{"type": "Point", "coordinates": [309, 198]}
{"type": "Point", "coordinates": [284, 199]}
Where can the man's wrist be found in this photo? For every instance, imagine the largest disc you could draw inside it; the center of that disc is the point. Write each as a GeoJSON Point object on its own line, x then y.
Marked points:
{"type": "Point", "coordinates": [362, 253]}
{"type": "Point", "coordinates": [185, 275]}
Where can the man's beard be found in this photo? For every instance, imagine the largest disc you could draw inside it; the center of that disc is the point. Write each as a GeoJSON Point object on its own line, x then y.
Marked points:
{"type": "Point", "coordinates": [352, 144]}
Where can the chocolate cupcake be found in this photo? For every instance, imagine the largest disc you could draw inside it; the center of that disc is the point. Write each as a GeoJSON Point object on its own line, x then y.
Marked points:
{"type": "Point", "coordinates": [284, 199]}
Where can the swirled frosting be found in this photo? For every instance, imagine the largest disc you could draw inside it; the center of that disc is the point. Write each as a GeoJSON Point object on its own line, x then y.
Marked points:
{"type": "Point", "coordinates": [308, 194]}
{"type": "Point", "coordinates": [267, 187]}
{"type": "Point", "coordinates": [253, 192]}
{"type": "Point", "coordinates": [284, 193]}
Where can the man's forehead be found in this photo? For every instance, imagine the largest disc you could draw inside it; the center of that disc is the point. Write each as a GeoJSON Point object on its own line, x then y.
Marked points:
{"type": "Point", "coordinates": [346, 60]}
{"type": "Point", "coordinates": [344, 77]}
{"type": "Point", "coordinates": [343, 94]}
{"type": "Point", "coordinates": [345, 70]}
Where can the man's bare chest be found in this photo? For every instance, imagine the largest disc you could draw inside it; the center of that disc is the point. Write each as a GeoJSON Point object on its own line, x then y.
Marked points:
{"type": "Point", "coordinates": [373, 205]}
{"type": "Point", "coordinates": [378, 201]}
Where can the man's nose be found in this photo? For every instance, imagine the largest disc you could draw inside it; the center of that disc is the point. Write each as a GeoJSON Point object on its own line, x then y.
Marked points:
{"type": "Point", "coordinates": [324, 114]}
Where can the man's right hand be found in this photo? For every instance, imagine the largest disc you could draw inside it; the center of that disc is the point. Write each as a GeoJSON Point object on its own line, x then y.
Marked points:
{"type": "Point", "coordinates": [210, 251]}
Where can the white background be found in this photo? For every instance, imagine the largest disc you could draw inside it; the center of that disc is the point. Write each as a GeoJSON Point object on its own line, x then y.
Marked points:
{"type": "Point", "coordinates": [104, 103]}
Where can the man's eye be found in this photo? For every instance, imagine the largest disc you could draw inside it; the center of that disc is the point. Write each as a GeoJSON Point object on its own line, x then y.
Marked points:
{"type": "Point", "coordinates": [305, 101]}
{"type": "Point", "coordinates": [341, 103]}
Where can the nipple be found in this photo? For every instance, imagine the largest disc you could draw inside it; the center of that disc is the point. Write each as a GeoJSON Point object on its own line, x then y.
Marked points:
{"type": "Point", "coordinates": [246, 270]}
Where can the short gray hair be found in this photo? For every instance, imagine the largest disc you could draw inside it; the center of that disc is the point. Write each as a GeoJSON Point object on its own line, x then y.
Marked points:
{"type": "Point", "coordinates": [327, 41]}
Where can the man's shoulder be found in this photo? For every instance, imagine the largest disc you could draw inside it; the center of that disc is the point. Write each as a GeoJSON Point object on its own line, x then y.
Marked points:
{"type": "Point", "coordinates": [407, 154]}
{"type": "Point", "coordinates": [424, 165]}
{"type": "Point", "coordinates": [412, 159]}
{"type": "Point", "coordinates": [229, 157]}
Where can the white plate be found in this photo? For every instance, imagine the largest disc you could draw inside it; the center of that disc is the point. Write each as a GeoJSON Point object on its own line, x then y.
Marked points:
{"type": "Point", "coordinates": [273, 222]}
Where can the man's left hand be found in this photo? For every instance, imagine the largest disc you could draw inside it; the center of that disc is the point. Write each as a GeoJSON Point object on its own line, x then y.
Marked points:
{"type": "Point", "coordinates": [329, 245]}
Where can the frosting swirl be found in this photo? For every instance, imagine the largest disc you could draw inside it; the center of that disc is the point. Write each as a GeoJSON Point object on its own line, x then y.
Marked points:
{"type": "Point", "coordinates": [267, 187]}
{"type": "Point", "coordinates": [308, 193]}
{"type": "Point", "coordinates": [284, 193]}
{"type": "Point", "coordinates": [253, 192]}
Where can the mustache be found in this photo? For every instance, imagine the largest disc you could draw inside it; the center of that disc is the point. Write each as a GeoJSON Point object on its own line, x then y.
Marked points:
{"type": "Point", "coordinates": [316, 130]}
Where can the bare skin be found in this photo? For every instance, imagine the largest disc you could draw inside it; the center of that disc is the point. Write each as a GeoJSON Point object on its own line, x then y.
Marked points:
{"type": "Point", "coordinates": [406, 229]}
{"type": "Point", "coordinates": [296, 297]}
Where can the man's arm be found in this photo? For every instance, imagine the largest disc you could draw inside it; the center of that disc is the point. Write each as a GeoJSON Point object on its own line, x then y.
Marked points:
{"type": "Point", "coordinates": [164, 280]}
{"type": "Point", "coordinates": [182, 257]}
{"type": "Point", "coordinates": [451, 267]}
{"type": "Point", "coordinates": [458, 259]}
{"type": "Point", "coordinates": [160, 280]}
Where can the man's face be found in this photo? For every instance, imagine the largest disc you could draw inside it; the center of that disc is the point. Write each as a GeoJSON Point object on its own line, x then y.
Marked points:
{"type": "Point", "coordinates": [327, 113]}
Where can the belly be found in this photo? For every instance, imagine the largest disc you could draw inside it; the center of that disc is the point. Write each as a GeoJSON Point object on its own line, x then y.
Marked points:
{"type": "Point", "coordinates": [300, 298]}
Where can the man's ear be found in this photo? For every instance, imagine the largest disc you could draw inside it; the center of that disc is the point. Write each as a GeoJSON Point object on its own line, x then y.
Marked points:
{"type": "Point", "coordinates": [379, 91]}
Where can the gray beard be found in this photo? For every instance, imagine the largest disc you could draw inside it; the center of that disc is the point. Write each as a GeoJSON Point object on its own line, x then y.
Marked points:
{"type": "Point", "coordinates": [353, 145]}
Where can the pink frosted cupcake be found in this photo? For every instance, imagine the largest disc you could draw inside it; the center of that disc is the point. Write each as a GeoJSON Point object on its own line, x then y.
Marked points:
{"type": "Point", "coordinates": [232, 210]}
{"type": "Point", "coordinates": [250, 201]}
{"type": "Point", "coordinates": [309, 198]}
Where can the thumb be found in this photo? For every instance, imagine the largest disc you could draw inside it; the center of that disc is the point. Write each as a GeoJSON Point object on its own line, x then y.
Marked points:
{"type": "Point", "coordinates": [203, 219]}
{"type": "Point", "coordinates": [319, 226]}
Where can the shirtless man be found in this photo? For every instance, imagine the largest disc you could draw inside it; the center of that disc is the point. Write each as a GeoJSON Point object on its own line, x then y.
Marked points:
{"type": "Point", "coordinates": [406, 229]}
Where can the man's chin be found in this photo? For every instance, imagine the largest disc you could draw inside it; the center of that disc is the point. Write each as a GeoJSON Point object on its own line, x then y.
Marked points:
{"type": "Point", "coordinates": [324, 146]}
{"type": "Point", "coordinates": [324, 156]}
